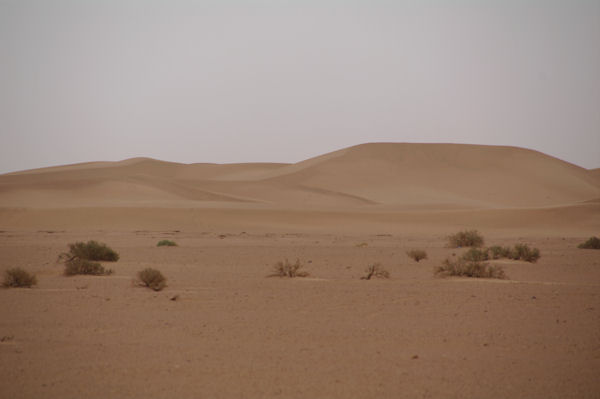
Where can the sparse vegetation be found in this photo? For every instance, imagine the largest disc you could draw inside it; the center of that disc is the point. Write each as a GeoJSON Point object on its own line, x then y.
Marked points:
{"type": "Point", "coordinates": [375, 270]}
{"type": "Point", "coordinates": [152, 279]}
{"type": "Point", "coordinates": [17, 277]}
{"type": "Point", "coordinates": [166, 243]}
{"type": "Point", "coordinates": [466, 268]}
{"type": "Point", "coordinates": [417, 254]}
{"type": "Point", "coordinates": [591, 243]}
{"type": "Point", "coordinates": [82, 256]}
{"type": "Point", "coordinates": [287, 269]}
{"type": "Point", "coordinates": [467, 238]}
{"type": "Point", "coordinates": [83, 266]}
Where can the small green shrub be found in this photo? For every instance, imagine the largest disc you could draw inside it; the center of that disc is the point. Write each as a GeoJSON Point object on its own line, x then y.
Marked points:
{"type": "Point", "coordinates": [17, 277]}
{"type": "Point", "coordinates": [467, 238]}
{"type": "Point", "coordinates": [152, 278]}
{"type": "Point", "coordinates": [591, 243]}
{"type": "Point", "coordinates": [375, 270]}
{"type": "Point", "coordinates": [166, 243]}
{"type": "Point", "coordinates": [464, 268]}
{"type": "Point", "coordinates": [417, 254]}
{"type": "Point", "coordinates": [476, 255]}
{"type": "Point", "coordinates": [92, 250]}
{"type": "Point", "coordinates": [287, 269]}
{"type": "Point", "coordinates": [83, 266]}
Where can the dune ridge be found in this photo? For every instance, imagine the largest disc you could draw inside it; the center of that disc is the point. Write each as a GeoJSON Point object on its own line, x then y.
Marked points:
{"type": "Point", "coordinates": [385, 175]}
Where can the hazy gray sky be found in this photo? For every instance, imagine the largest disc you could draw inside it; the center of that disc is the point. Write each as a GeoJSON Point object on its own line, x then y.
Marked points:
{"type": "Point", "coordinates": [281, 81]}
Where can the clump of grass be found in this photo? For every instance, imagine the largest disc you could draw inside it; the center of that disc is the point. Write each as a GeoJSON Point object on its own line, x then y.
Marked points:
{"type": "Point", "coordinates": [465, 268]}
{"type": "Point", "coordinates": [17, 277]}
{"type": "Point", "coordinates": [92, 250]}
{"type": "Point", "coordinates": [375, 270]}
{"type": "Point", "coordinates": [83, 266]}
{"type": "Point", "coordinates": [287, 269]}
{"type": "Point", "coordinates": [591, 243]}
{"type": "Point", "coordinates": [417, 254]}
{"type": "Point", "coordinates": [152, 279]}
{"type": "Point", "coordinates": [82, 256]}
{"type": "Point", "coordinates": [467, 238]}
{"type": "Point", "coordinates": [522, 251]}
{"type": "Point", "coordinates": [166, 243]}
{"type": "Point", "coordinates": [362, 245]}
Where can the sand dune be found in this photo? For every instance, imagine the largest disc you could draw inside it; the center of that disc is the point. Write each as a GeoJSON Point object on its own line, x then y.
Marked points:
{"type": "Point", "coordinates": [385, 175]}
{"type": "Point", "coordinates": [595, 173]}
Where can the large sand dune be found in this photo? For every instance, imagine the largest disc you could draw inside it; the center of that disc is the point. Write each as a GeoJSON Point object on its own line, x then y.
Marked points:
{"type": "Point", "coordinates": [370, 176]}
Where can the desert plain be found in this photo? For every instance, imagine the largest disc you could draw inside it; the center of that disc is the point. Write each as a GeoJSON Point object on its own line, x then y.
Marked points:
{"type": "Point", "coordinates": [223, 329]}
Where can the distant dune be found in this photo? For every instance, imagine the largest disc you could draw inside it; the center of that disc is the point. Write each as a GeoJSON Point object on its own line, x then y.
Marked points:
{"type": "Point", "coordinates": [370, 176]}
{"type": "Point", "coordinates": [596, 174]}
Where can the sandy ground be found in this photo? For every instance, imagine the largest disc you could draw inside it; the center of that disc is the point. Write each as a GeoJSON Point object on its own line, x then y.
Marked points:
{"type": "Point", "coordinates": [223, 329]}
{"type": "Point", "coordinates": [233, 332]}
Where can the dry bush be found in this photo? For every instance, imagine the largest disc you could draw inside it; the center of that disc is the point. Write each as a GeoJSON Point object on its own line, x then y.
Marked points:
{"type": "Point", "coordinates": [417, 254]}
{"type": "Point", "coordinates": [81, 256]}
{"type": "Point", "coordinates": [591, 243]}
{"type": "Point", "coordinates": [467, 238]}
{"type": "Point", "coordinates": [166, 243]}
{"type": "Point", "coordinates": [498, 252]}
{"type": "Point", "coordinates": [476, 255]}
{"type": "Point", "coordinates": [518, 252]}
{"type": "Point", "coordinates": [375, 270]}
{"type": "Point", "coordinates": [17, 277]}
{"type": "Point", "coordinates": [287, 269]}
{"type": "Point", "coordinates": [464, 268]}
{"type": "Point", "coordinates": [522, 251]}
{"type": "Point", "coordinates": [83, 266]}
{"type": "Point", "coordinates": [152, 278]}
{"type": "Point", "coordinates": [91, 250]}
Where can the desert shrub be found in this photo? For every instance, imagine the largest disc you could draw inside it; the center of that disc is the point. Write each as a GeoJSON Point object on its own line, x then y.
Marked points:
{"type": "Point", "coordinates": [591, 243]}
{"type": "Point", "coordinates": [375, 270]}
{"type": "Point", "coordinates": [417, 254]}
{"type": "Point", "coordinates": [152, 278]}
{"type": "Point", "coordinates": [92, 250]}
{"type": "Point", "coordinates": [498, 252]}
{"type": "Point", "coordinates": [476, 255]}
{"type": "Point", "coordinates": [467, 238]}
{"type": "Point", "coordinates": [83, 266]}
{"type": "Point", "coordinates": [17, 277]}
{"type": "Point", "coordinates": [523, 252]}
{"type": "Point", "coordinates": [81, 256]}
{"type": "Point", "coordinates": [287, 269]}
{"type": "Point", "coordinates": [166, 243]}
{"type": "Point", "coordinates": [465, 268]}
